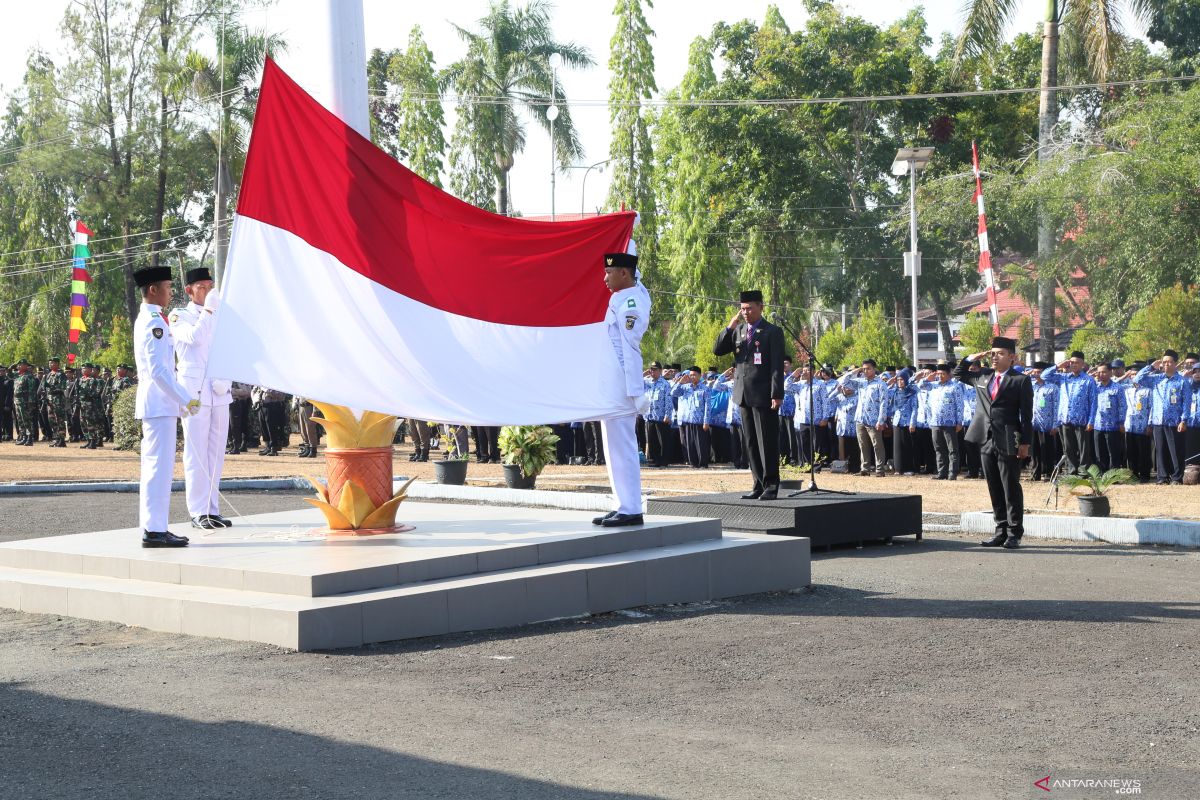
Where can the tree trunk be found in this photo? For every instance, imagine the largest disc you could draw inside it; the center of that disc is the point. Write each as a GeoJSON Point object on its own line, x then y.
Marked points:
{"type": "Point", "coordinates": [939, 308]}
{"type": "Point", "coordinates": [160, 192]}
{"type": "Point", "coordinates": [1047, 117]}
{"type": "Point", "coordinates": [132, 302]}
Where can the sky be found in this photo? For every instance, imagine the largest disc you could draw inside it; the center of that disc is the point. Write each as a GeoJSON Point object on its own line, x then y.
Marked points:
{"type": "Point", "coordinates": [585, 22]}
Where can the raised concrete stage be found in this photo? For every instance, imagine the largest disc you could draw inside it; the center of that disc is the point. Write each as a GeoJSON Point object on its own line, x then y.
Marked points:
{"type": "Point", "coordinates": [826, 519]}
{"type": "Point", "coordinates": [272, 578]}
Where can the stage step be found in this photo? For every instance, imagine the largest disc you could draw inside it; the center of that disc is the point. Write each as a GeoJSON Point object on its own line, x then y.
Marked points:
{"type": "Point", "coordinates": [667, 561]}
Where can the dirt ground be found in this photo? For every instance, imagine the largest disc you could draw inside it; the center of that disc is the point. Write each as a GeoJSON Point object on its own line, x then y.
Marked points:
{"type": "Point", "coordinates": [918, 670]}
{"type": "Point", "coordinates": [41, 463]}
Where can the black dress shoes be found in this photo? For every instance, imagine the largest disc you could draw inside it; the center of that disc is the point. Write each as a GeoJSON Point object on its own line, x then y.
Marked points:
{"type": "Point", "coordinates": [221, 521]}
{"type": "Point", "coordinates": [996, 541]}
{"type": "Point", "coordinates": [619, 520]}
{"type": "Point", "coordinates": [600, 520]}
{"type": "Point", "coordinates": [163, 539]}
{"type": "Point", "coordinates": [769, 494]}
{"type": "Point", "coordinates": [757, 493]}
{"type": "Point", "coordinates": [206, 522]}
{"type": "Point", "coordinates": [1012, 543]}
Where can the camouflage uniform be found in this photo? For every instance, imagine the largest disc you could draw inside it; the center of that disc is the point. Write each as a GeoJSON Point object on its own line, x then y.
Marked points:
{"type": "Point", "coordinates": [25, 402]}
{"type": "Point", "coordinates": [54, 387]}
{"type": "Point", "coordinates": [91, 411]}
{"type": "Point", "coordinates": [71, 398]}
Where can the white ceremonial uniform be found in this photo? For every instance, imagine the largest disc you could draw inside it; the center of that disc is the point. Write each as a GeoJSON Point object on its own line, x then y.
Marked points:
{"type": "Point", "coordinates": [160, 401]}
{"type": "Point", "coordinates": [627, 319]}
{"type": "Point", "coordinates": [204, 434]}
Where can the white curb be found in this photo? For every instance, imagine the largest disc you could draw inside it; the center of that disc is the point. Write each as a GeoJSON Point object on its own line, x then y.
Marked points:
{"type": "Point", "coordinates": [1185, 533]}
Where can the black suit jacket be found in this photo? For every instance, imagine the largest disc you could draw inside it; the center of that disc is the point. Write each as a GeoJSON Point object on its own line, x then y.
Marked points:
{"type": "Point", "coordinates": [1007, 421]}
{"type": "Point", "coordinates": [755, 385]}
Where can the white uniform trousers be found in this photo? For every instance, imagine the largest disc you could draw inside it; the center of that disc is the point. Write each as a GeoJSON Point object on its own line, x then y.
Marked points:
{"type": "Point", "coordinates": [621, 458]}
{"type": "Point", "coordinates": [204, 442]}
{"type": "Point", "coordinates": [158, 467]}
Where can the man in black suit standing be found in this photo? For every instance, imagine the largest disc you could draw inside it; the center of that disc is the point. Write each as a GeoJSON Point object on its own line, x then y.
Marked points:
{"type": "Point", "coordinates": [1003, 428]}
{"type": "Point", "coordinates": [758, 352]}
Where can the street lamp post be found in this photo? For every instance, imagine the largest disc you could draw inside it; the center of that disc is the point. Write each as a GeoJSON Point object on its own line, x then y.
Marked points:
{"type": "Point", "coordinates": [912, 160]}
{"type": "Point", "coordinates": [599, 167]}
{"type": "Point", "coordinates": [552, 114]}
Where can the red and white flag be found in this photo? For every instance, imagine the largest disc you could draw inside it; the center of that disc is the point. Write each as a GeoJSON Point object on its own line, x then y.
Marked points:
{"type": "Point", "coordinates": [985, 253]}
{"type": "Point", "coordinates": [351, 280]}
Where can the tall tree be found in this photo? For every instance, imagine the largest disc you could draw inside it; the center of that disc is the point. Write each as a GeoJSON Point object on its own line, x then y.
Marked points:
{"type": "Point", "coordinates": [631, 64]}
{"type": "Point", "coordinates": [229, 81]}
{"type": "Point", "coordinates": [508, 58]}
{"type": "Point", "coordinates": [381, 104]}
{"type": "Point", "coordinates": [419, 136]}
{"type": "Point", "coordinates": [1094, 23]}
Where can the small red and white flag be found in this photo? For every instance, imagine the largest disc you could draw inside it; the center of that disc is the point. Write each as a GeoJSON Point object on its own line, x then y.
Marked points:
{"type": "Point", "coordinates": [351, 280]}
{"type": "Point", "coordinates": [985, 254]}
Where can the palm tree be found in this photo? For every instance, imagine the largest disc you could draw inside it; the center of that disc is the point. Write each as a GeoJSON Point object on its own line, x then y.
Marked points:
{"type": "Point", "coordinates": [1095, 24]}
{"type": "Point", "coordinates": [235, 90]}
{"type": "Point", "coordinates": [508, 58]}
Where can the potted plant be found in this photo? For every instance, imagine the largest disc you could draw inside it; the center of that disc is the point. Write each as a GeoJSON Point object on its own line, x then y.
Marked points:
{"type": "Point", "coordinates": [452, 468]}
{"type": "Point", "coordinates": [526, 450]}
{"type": "Point", "coordinates": [1091, 488]}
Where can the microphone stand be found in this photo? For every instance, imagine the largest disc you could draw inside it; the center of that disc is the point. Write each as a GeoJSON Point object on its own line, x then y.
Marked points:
{"type": "Point", "coordinates": [812, 487]}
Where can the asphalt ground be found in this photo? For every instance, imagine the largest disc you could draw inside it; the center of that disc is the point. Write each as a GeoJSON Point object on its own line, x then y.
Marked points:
{"type": "Point", "coordinates": [916, 670]}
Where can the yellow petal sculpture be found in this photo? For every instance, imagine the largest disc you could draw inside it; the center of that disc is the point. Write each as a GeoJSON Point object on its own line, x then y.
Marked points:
{"type": "Point", "coordinates": [355, 512]}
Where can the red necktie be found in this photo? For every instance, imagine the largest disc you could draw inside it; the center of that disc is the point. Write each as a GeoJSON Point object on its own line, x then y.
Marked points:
{"type": "Point", "coordinates": [995, 386]}
{"type": "Point", "coordinates": [163, 314]}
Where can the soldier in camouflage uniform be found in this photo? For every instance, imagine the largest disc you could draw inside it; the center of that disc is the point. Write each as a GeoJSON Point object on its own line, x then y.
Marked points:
{"type": "Point", "coordinates": [71, 397]}
{"type": "Point", "coordinates": [25, 402]}
{"type": "Point", "coordinates": [7, 376]}
{"type": "Point", "coordinates": [91, 409]}
{"type": "Point", "coordinates": [106, 379]}
{"type": "Point", "coordinates": [54, 387]}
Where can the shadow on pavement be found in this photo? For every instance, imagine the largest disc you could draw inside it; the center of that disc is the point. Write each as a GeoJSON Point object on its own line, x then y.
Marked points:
{"type": "Point", "coordinates": [66, 748]}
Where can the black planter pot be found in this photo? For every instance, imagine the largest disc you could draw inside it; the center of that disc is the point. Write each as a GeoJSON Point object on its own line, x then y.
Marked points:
{"type": "Point", "coordinates": [513, 478]}
{"type": "Point", "coordinates": [451, 471]}
{"type": "Point", "coordinates": [1093, 505]}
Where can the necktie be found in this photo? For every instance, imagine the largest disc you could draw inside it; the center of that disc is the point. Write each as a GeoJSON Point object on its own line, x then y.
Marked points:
{"type": "Point", "coordinates": [995, 386]}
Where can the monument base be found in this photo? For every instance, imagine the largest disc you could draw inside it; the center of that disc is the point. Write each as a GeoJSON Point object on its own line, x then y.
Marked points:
{"type": "Point", "coordinates": [274, 578]}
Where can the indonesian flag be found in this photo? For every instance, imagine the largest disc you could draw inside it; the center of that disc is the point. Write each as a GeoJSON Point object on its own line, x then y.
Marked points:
{"type": "Point", "coordinates": [351, 280]}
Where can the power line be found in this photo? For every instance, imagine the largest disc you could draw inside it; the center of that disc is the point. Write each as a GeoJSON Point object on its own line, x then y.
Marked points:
{"type": "Point", "coordinates": [90, 243]}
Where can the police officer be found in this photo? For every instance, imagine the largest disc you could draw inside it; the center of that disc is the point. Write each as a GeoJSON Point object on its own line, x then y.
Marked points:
{"type": "Point", "coordinates": [206, 432]}
{"type": "Point", "coordinates": [25, 402]}
{"type": "Point", "coordinates": [161, 400]}
{"type": "Point", "coordinates": [627, 319]}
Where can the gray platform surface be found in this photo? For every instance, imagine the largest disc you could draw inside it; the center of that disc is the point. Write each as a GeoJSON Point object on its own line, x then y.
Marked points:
{"type": "Point", "coordinates": [274, 578]}
{"type": "Point", "coordinates": [823, 518]}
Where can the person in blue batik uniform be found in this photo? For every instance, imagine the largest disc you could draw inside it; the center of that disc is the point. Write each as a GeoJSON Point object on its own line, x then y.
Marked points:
{"type": "Point", "coordinates": [1076, 388]}
{"type": "Point", "coordinates": [658, 416]}
{"type": "Point", "coordinates": [845, 424]}
{"type": "Point", "coordinates": [903, 419]}
{"type": "Point", "coordinates": [1191, 437]}
{"type": "Point", "coordinates": [796, 385]}
{"type": "Point", "coordinates": [1106, 420]}
{"type": "Point", "coordinates": [1170, 398]}
{"type": "Point", "coordinates": [968, 452]}
{"type": "Point", "coordinates": [944, 416]}
{"type": "Point", "coordinates": [718, 418]}
{"type": "Point", "coordinates": [1137, 424]}
{"type": "Point", "coordinates": [870, 390]}
{"type": "Point", "coordinates": [788, 443]}
{"type": "Point", "coordinates": [694, 416]}
{"type": "Point", "coordinates": [1045, 451]}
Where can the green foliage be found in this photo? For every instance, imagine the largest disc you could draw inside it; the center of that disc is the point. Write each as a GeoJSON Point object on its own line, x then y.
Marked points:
{"type": "Point", "coordinates": [1094, 482]}
{"type": "Point", "coordinates": [127, 431]}
{"type": "Point", "coordinates": [833, 346]}
{"type": "Point", "coordinates": [1099, 347]}
{"type": "Point", "coordinates": [449, 439]}
{"type": "Point", "coordinates": [120, 344]}
{"type": "Point", "coordinates": [702, 356]}
{"type": "Point", "coordinates": [875, 337]}
{"type": "Point", "coordinates": [419, 134]}
{"type": "Point", "coordinates": [976, 334]}
{"type": "Point", "coordinates": [531, 447]}
{"type": "Point", "coordinates": [1172, 319]}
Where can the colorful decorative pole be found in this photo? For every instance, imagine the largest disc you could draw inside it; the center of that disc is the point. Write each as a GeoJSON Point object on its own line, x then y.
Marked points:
{"type": "Point", "coordinates": [80, 278]}
{"type": "Point", "coordinates": [985, 255]}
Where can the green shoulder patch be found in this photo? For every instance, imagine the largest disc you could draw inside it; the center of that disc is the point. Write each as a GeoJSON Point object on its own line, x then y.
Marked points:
{"type": "Point", "coordinates": [631, 303]}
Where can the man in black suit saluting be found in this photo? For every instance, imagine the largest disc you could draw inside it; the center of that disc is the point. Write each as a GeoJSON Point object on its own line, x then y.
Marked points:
{"type": "Point", "coordinates": [758, 353]}
{"type": "Point", "coordinates": [1003, 429]}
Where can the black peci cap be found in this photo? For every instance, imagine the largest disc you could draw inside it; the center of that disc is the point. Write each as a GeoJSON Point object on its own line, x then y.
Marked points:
{"type": "Point", "coordinates": [751, 296]}
{"type": "Point", "coordinates": [148, 275]}
{"type": "Point", "coordinates": [627, 260]}
{"type": "Point", "coordinates": [196, 275]}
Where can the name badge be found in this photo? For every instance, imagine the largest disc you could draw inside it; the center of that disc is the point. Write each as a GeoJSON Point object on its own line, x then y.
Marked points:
{"type": "Point", "coordinates": [1042, 402]}
{"type": "Point", "coordinates": [758, 359]}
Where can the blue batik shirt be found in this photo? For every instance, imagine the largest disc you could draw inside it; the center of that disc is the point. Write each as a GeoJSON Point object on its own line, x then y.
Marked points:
{"type": "Point", "coordinates": [870, 395]}
{"type": "Point", "coordinates": [1137, 407]}
{"type": "Point", "coordinates": [922, 418]}
{"type": "Point", "coordinates": [788, 407]}
{"type": "Point", "coordinates": [945, 403]}
{"type": "Point", "coordinates": [1194, 418]}
{"type": "Point", "coordinates": [904, 407]}
{"type": "Point", "coordinates": [1170, 398]}
{"type": "Point", "coordinates": [693, 403]}
{"type": "Point", "coordinates": [1107, 412]}
{"type": "Point", "coordinates": [847, 406]}
{"type": "Point", "coordinates": [797, 392]}
{"type": "Point", "coordinates": [1074, 396]}
{"type": "Point", "coordinates": [1045, 406]}
{"type": "Point", "coordinates": [718, 405]}
{"type": "Point", "coordinates": [659, 394]}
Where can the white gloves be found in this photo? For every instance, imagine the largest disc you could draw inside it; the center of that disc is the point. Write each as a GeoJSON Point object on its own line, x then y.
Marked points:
{"type": "Point", "coordinates": [643, 404]}
{"type": "Point", "coordinates": [212, 301]}
{"type": "Point", "coordinates": [192, 408]}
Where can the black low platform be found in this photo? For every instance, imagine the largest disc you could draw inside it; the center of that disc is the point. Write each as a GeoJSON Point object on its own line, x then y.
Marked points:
{"type": "Point", "coordinates": [826, 519]}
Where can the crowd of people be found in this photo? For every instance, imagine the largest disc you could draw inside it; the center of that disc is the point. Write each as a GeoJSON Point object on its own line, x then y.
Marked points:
{"type": "Point", "coordinates": [898, 420]}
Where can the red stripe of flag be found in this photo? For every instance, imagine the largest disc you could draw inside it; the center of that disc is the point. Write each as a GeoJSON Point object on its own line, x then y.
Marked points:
{"type": "Point", "coordinates": [81, 228]}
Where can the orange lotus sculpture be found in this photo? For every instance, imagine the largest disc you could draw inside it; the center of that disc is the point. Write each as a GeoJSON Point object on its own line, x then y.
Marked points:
{"type": "Point", "coordinates": [357, 499]}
